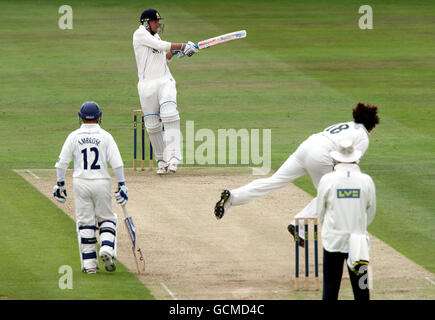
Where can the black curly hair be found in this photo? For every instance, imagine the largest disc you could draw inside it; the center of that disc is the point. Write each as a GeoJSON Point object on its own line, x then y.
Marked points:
{"type": "Point", "coordinates": [366, 114]}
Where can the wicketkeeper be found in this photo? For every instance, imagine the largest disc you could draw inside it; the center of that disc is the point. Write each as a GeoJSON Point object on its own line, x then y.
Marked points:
{"type": "Point", "coordinates": [92, 148]}
{"type": "Point", "coordinates": [157, 90]}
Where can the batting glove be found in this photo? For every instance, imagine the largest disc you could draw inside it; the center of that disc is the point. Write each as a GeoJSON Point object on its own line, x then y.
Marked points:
{"type": "Point", "coordinates": [121, 195]}
{"type": "Point", "coordinates": [189, 49]}
{"type": "Point", "coordinates": [178, 53]}
{"type": "Point", "coordinates": [58, 190]}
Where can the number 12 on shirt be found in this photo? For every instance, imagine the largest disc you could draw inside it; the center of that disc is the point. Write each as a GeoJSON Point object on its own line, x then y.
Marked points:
{"type": "Point", "coordinates": [94, 165]}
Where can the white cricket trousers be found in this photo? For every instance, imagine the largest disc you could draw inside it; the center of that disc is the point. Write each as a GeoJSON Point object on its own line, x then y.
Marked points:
{"type": "Point", "coordinates": [153, 93]}
{"type": "Point", "coordinates": [94, 211]}
{"type": "Point", "coordinates": [311, 157]}
{"type": "Point", "coordinates": [158, 99]}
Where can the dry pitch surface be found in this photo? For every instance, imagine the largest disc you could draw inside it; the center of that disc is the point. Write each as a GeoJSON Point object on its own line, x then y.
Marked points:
{"type": "Point", "coordinates": [247, 255]}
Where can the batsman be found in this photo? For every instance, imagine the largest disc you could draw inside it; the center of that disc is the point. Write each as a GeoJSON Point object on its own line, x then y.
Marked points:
{"type": "Point", "coordinates": [92, 149]}
{"type": "Point", "coordinates": [157, 89]}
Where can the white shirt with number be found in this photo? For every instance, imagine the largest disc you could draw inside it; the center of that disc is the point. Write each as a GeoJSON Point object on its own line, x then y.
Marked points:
{"type": "Point", "coordinates": [92, 148]}
{"type": "Point", "coordinates": [355, 132]}
{"type": "Point", "coordinates": [311, 157]}
{"type": "Point", "coordinates": [150, 52]}
{"type": "Point", "coordinates": [346, 204]}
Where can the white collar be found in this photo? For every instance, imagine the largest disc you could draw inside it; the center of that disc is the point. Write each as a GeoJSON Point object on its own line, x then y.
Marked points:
{"type": "Point", "coordinates": [347, 167]}
{"type": "Point", "coordinates": [90, 125]}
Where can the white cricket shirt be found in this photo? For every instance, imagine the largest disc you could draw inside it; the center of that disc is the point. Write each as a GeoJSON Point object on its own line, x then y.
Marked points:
{"type": "Point", "coordinates": [92, 148]}
{"type": "Point", "coordinates": [150, 52]}
{"type": "Point", "coordinates": [346, 203]}
{"type": "Point", "coordinates": [355, 132]}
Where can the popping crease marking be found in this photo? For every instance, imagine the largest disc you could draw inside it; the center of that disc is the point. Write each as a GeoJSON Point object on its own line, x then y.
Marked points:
{"type": "Point", "coordinates": [32, 174]}
{"type": "Point", "coordinates": [168, 291]}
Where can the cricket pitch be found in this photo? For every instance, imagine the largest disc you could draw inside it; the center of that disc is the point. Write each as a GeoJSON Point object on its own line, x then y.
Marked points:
{"type": "Point", "coordinates": [248, 254]}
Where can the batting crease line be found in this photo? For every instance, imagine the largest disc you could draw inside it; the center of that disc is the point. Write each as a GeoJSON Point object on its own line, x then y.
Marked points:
{"type": "Point", "coordinates": [169, 291]}
{"type": "Point", "coordinates": [430, 280]}
{"type": "Point", "coordinates": [32, 174]}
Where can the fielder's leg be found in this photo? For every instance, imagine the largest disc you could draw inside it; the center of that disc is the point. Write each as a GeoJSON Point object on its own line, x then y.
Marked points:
{"type": "Point", "coordinates": [308, 212]}
{"type": "Point", "coordinates": [289, 171]}
{"type": "Point", "coordinates": [317, 162]}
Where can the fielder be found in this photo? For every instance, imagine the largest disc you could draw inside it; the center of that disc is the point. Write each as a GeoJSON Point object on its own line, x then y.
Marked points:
{"type": "Point", "coordinates": [157, 90]}
{"type": "Point", "coordinates": [311, 157]}
{"type": "Point", "coordinates": [92, 148]}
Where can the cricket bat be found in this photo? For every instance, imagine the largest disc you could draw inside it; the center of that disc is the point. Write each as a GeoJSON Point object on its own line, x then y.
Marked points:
{"type": "Point", "coordinates": [236, 35]}
{"type": "Point", "coordinates": [137, 252]}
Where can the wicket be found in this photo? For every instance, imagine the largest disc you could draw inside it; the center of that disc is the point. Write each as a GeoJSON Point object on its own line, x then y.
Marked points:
{"type": "Point", "coordinates": [306, 222]}
{"type": "Point", "coordinates": [135, 116]}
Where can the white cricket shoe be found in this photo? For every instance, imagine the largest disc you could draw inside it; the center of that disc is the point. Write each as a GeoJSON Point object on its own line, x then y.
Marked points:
{"type": "Point", "coordinates": [173, 165]}
{"type": "Point", "coordinates": [162, 167]}
{"type": "Point", "coordinates": [90, 271]}
{"type": "Point", "coordinates": [108, 261]}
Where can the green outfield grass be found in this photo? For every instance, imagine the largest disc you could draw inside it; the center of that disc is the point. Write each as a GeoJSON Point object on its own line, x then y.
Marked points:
{"type": "Point", "coordinates": [37, 240]}
{"type": "Point", "coordinates": [303, 66]}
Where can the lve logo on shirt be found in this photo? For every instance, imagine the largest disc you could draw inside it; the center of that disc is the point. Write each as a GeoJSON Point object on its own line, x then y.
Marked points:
{"type": "Point", "coordinates": [348, 193]}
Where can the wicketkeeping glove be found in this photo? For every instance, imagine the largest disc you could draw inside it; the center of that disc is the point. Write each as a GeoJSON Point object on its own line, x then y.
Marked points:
{"type": "Point", "coordinates": [189, 49]}
{"type": "Point", "coordinates": [121, 195]}
{"type": "Point", "coordinates": [58, 190]}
